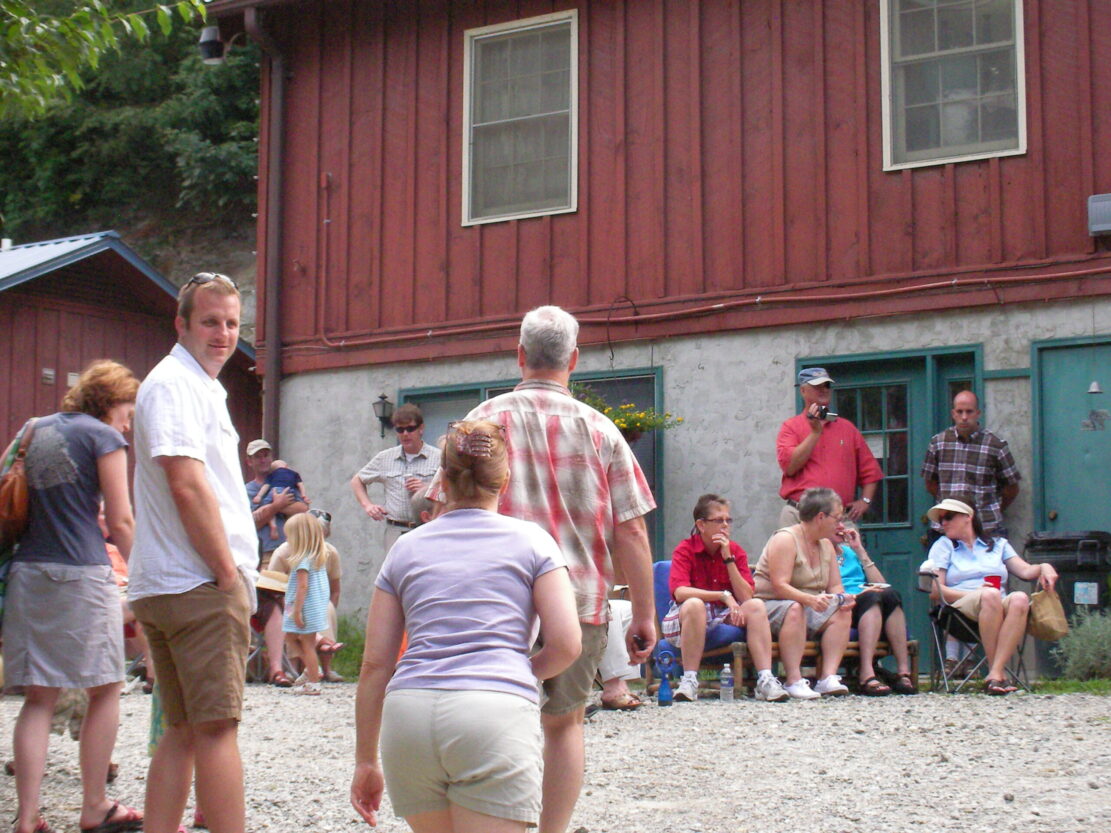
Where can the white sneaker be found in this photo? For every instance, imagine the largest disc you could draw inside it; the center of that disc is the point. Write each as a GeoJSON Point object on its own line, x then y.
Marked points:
{"type": "Point", "coordinates": [307, 688]}
{"type": "Point", "coordinates": [801, 690]}
{"type": "Point", "coordinates": [333, 676]}
{"type": "Point", "coordinates": [771, 689]}
{"type": "Point", "coordinates": [302, 678]}
{"type": "Point", "coordinates": [687, 690]}
{"type": "Point", "coordinates": [831, 686]}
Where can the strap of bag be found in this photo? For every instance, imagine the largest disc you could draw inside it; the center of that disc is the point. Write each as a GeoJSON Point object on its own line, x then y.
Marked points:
{"type": "Point", "coordinates": [24, 439]}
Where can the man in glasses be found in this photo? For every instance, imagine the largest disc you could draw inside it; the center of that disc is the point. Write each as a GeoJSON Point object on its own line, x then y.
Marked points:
{"type": "Point", "coordinates": [193, 562]}
{"type": "Point", "coordinates": [402, 471]}
{"type": "Point", "coordinates": [712, 595]}
{"type": "Point", "coordinates": [818, 449]}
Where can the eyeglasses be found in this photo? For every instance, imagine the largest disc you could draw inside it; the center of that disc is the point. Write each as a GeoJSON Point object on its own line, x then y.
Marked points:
{"type": "Point", "coordinates": [406, 429]}
{"type": "Point", "coordinates": [201, 278]}
{"type": "Point", "coordinates": [724, 521]}
{"type": "Point", "coordinates": [322, 515]}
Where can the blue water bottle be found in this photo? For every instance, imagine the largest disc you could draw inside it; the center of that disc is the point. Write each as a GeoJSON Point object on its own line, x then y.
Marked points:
{"type": "Point", "coordinates": [664, 662]}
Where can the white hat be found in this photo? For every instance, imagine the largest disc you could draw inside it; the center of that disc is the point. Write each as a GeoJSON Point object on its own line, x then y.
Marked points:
{"type": "Point", "coordinates": [948, 505]}
{"type": "Point", "coordinates": [255, 446]}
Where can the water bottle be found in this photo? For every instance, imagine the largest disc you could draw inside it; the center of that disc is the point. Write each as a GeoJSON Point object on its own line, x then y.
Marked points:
{"type": "Point", "coordinates": [726, 680]}
{"type": "Point", "coordinates": [663, 663]}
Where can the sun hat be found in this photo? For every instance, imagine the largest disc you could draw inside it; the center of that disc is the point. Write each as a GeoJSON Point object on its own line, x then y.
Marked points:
{"type": "Point", "coordinates": [272, 580]}
{"type": "Point", "coordinates": [948, 505]}
{"type": "Point", "coordinates": [814, 376]}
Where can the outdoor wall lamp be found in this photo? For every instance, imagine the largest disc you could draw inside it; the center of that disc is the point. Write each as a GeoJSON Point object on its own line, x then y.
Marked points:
{"type": "Point", "coordinates": [212, 48]}
{"type": "Point", "coordinates": [383, 409]}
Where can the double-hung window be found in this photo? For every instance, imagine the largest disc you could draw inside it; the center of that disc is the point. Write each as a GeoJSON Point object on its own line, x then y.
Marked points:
{"type": "Point", "coordinates": [520, 119]}
{"type": "Point", "coordinates": [952, 80]}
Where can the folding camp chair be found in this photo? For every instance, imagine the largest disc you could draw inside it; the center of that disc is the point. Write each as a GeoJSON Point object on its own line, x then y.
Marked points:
{"type": "Point", "coordinates": [945, 622]}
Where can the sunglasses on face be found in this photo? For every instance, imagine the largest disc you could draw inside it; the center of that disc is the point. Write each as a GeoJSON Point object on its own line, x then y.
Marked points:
{"type": "Point", "coordinates": [406, 429]}
{"type": "Point", "coordinates": [948, 516]}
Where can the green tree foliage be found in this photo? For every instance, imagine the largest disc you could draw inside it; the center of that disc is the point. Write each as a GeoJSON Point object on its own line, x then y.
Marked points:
{"type": "Point", "coordinates": [46, 46]}
{"type": "Point", "coordinates": [153, 137]}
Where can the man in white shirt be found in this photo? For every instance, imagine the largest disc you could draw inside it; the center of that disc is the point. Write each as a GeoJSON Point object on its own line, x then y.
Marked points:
{"type": "Point", "coordinates": [193, 563]}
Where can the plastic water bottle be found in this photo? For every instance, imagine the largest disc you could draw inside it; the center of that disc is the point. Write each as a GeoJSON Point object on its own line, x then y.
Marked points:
{"type": "Point", "coordinates": [726, 679]}
{"type": "Point", "coordinates": [663, 663]}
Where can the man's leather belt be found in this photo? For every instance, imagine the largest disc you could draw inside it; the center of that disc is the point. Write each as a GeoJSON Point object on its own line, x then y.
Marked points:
{"type": "Point", "coordinates": [793, 503]}
{"type": "Point", "coordinates": [402, 524]}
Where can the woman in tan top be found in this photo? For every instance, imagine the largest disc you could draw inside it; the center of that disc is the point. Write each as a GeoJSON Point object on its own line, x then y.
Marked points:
{"type": "Point", "coordinates": [797, 576]}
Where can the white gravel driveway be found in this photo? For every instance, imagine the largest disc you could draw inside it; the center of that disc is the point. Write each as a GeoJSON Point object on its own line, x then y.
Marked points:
{"type": "Point", "coordinates": [932, 762]}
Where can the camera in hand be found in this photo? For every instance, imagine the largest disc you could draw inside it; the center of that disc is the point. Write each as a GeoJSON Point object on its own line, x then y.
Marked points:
{"type": "Point", "coordinates": [825, 414]}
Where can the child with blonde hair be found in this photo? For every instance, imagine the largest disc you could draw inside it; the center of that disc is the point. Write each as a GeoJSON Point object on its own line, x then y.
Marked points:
{"type": "Point", "coordinates": [306, 595]}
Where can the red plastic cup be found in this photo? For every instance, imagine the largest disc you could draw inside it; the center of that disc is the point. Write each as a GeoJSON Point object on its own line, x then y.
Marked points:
{"type": "Point", "coordinates": [993, 581]}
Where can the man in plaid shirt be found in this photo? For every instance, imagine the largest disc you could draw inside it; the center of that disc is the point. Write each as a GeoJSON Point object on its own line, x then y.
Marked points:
{"type": "Point", "coordinates": [970, 460]}
{"type": "Point", "coordinates": [571, 472]}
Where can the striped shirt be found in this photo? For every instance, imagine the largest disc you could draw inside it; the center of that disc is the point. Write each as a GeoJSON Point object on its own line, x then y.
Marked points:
{"type": "Point", "coordinates": [391, 468]}
{"type": "Point", "coordinates": [572, 473]}
{"type": "Point", "coordinates": [980, 466]}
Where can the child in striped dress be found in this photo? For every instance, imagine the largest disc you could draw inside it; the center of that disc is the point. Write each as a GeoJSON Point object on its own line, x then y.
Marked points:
{"type": "Point", "coordinates": [306, 595]}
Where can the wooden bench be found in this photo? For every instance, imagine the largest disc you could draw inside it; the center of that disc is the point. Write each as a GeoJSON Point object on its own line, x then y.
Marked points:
{"type": "Point", "coordinates": [744, 673]}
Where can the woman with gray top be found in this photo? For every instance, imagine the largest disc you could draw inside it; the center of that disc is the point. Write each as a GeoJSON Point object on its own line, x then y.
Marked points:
{"type": "Point", "coordinates": [458, 714]}
{"type": "Point", "coordinates": [62, 624]}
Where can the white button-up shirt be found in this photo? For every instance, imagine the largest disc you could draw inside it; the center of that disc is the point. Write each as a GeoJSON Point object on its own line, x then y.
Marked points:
{"type": "Point", "coordinates": [181, 411]}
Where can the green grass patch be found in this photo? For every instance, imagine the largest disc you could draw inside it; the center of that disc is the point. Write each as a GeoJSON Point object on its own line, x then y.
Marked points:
{"type": "Point", "coordinates": [352, 632]}
{"type": "Point", "coordinates": [1101, 687]}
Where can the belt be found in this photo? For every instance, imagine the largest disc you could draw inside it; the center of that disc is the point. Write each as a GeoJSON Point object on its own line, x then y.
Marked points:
{"type": "Point", "coordinates": [402, 524]}
{"type": "Point", "coordinates": [793, 503]}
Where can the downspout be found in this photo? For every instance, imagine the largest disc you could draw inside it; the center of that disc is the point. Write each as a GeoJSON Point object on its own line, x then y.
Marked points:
{"type": "Point", "coordinates": [275, 158]}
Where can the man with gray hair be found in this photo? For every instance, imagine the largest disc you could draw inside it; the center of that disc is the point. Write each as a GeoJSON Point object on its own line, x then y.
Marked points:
{"type": "Point", "coordinates": [572, 473]}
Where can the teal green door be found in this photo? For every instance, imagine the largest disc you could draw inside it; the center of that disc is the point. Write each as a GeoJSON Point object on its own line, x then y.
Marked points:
{"type": "Point", "coordinates": [1074, 436]}
{"type": "Point", "coordinates": [898, 403]}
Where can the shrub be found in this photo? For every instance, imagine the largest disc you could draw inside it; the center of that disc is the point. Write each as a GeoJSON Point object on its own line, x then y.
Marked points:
{"type": "Point", "coordinates": [1086, 651]}
{"type": "Point", "coordinates": [350, 630]}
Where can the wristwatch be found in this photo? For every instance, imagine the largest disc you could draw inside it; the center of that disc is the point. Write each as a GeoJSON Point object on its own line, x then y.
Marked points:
{"type": "Point", "coordinates": [729, 560]}
{"type": "Point", "coordinates": [867, 500]}
{"type": "Point", "coordinates": [726, 596]}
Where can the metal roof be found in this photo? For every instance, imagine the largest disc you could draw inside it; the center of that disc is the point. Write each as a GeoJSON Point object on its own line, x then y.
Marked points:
{"type": "Point", "coordinates": [28, 261]}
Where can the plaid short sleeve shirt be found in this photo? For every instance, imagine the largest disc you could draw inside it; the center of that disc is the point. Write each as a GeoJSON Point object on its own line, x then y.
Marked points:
{"type": "Point", "coordinates": [572, 473]}
{"type": "Point", "coordinates": [981, 466]}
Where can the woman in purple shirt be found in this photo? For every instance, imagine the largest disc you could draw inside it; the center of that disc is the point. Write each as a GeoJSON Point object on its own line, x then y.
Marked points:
{"type": "Point", "coordinates": [458, 714]}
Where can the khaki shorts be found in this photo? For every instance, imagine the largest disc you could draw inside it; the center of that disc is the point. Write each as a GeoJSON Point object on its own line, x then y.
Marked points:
{"type": "Point", "coordinates": [815, 621]}
{"type": "Point", "coordinates": [478, 749]}
{"type": "Point", "coordinates": [571, 689]}
{"type": "Point", "coordinates": [970, 603]}
{"type": "Point", "coordinates": [198, 643]}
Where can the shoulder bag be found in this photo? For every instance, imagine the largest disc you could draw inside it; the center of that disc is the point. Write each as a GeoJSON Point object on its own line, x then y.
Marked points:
{"type": "Point", "coordinates": [13, 503]}
{"type": "Point", "coordinates": [1046, 620]}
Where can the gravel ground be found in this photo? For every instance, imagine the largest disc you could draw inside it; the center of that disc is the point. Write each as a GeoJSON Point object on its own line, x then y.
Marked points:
{"type": "Point", "coordinates": [933, 762]}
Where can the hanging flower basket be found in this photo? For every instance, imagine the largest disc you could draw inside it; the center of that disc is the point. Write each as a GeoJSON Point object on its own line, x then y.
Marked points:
{"type": "Point", "coordinates": [631, 421]}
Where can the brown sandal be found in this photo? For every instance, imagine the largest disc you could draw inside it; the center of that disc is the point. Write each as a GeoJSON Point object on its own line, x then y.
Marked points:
{"type": "Point", "coordinates": [281, 680]}
{"type": "Point", "coordinates": [998, 688]}
{"type": "Point", "coordinates": [872, 687]}
{"type": "Point", "coordinates": [624, 702]}
{"type": "Point", "coordinates": [904, 685]}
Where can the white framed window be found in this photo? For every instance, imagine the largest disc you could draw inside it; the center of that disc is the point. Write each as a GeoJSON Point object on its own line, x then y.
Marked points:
{"type": "Point", "coordinates": [953, 80]}
{"type": "Point", "coordinates": [520, 118]}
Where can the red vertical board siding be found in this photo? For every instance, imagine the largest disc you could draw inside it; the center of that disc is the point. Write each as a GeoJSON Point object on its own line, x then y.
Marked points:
{"type": "Point", "coordinates": [721, 125]}
{"type": "Point", "coordinates": [757, 177]}
{"type": "Point", "coordinates": [300, 263]}
{"type": "Point", "coordinates": [7, 359]}
{"type": "Point", "coordinates": [430, 303]}
{"type": "Point", "coordinates": [399, 132]}
{"type": "Point", "coordinates": [802, 149]}
{"type": "Point", "coordinates": [646, 203]}
{"type": "Point", "coordinates": [334, 180]}
{"type": "Point", "coordinates": [603, 162]}
{"type": "Point", "coordinates": [1099, 29]}
{"type": "Point", "coordinates": [973, 233]}
{"type": "Point", "coordinates": [841, 130]}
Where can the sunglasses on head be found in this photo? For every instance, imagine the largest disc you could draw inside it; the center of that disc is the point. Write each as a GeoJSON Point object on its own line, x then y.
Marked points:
{"type": "Point", "coordinates": [201, 278]}
{"type": "Point", "coordinates": [405, 429]}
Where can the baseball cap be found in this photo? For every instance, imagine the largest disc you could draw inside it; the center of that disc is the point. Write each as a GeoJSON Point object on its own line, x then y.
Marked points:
{"type": "Point", "coordinates": [814, 376]}
{"type": "Point", "coordinates": [255, 446]}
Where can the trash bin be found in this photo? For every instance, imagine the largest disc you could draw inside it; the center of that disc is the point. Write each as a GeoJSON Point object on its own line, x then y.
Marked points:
{"type": "Point", "coordinates": [1083, 562]}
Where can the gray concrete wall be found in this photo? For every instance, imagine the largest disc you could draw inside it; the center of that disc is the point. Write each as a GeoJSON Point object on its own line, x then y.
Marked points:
{"type": "Point", "coordinates": [733, 390]}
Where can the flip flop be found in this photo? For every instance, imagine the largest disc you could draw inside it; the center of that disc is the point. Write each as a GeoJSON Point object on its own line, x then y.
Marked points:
{"type": "Point", "coordinates": [40, 826]}
{"type": "Point", "coordinates": [998, 688]}
{"type": "Point", "coordinates": [281, 680]}
{"type": "Point", "coordinates": [331, 648]}
{"type": "Point", "coordinates": [128, 820]}
{"type": "Point", "coordinates": [626, 702]}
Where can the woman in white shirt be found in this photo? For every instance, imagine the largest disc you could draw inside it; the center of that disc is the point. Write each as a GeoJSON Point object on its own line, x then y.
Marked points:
{"type": "Point", "coordinates": [972, 574]}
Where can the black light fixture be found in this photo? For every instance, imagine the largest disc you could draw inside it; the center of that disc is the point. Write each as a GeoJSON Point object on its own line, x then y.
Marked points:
{"type": "Point", "coordinates": [210, 45]}
{"type": "Point", "coordinates": [383, 409]}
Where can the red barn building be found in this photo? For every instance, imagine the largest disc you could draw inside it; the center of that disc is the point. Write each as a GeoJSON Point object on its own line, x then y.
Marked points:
{"type": "Point", "coordinates": [722, 192]}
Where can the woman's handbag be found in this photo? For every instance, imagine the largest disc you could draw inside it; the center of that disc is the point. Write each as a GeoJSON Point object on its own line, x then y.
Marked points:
{"type": "Point", "coordinates": [1047, 620]}
{"type": "Point", "coordinates": [13, 488]}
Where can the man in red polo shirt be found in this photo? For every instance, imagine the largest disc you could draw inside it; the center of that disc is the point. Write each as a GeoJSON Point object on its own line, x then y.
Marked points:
{"type": "Point", "coordinates": [712, 597]}
{"type": "Point", "coordinates": [814, 450]}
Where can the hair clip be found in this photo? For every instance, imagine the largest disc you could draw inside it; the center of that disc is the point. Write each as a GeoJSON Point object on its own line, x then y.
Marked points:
{"type": "Point", "coordinates": [475, 444]}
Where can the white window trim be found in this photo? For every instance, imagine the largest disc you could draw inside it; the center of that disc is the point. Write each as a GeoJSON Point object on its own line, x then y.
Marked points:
{"type": "Point", "coordinates": [469, 36]}
{"type": "Point", "coordinates": [888, 100]}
